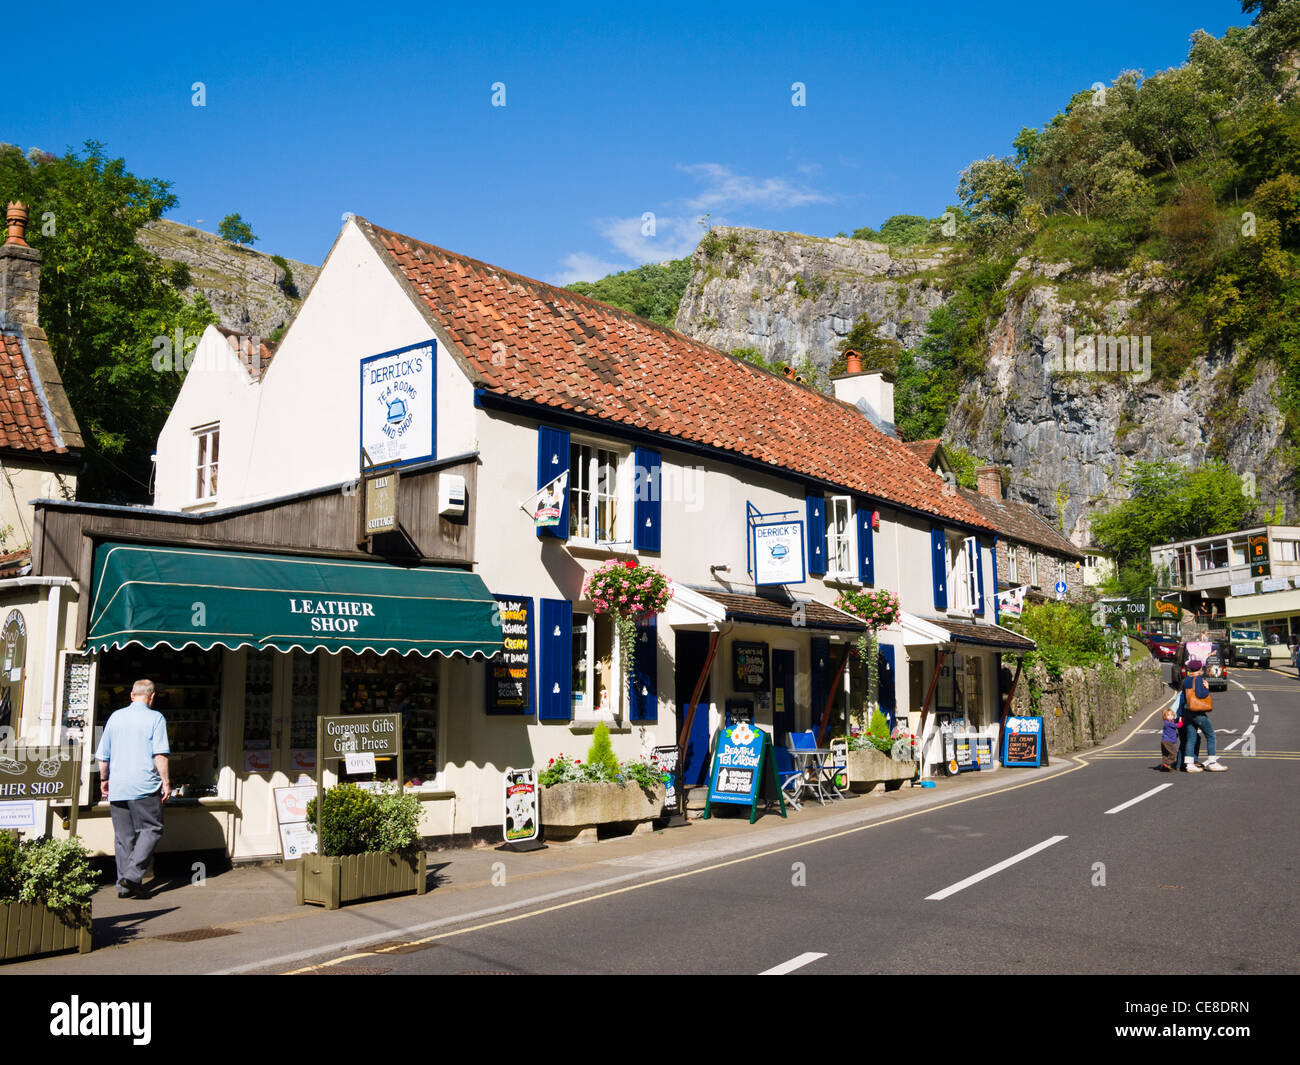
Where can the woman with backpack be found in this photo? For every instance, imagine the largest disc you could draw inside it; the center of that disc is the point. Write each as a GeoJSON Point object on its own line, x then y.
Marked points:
{"type": "Point", "coordinates": [1197, 704]}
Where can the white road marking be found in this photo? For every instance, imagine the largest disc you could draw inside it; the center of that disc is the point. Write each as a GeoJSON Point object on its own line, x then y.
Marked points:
{"type": "Point", "coordinates": [793, 964]}
{"type": "Point", "coordinates": [1144, 795]}
{"type": "Point", "coordinates": [961, 885]}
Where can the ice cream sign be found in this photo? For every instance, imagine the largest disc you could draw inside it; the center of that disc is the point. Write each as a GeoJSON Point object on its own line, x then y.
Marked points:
{"type": "Point", "coordinates": [398, 405]}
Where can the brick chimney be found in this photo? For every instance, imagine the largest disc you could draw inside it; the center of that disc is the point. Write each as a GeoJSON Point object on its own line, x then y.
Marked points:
{"type": "Point", "coordinates": [20, 271]}
{"type": "Point", "coordinates": [989, 479]}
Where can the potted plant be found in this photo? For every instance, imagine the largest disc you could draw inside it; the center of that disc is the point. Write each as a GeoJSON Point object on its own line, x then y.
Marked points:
{"type": "Point", "coordinates": [45, 890]}
{"type": "Point", "coordinates": [627, 590]}
{"type": "Point", "coordinates": [879, 756]}
{"type": "Point", "coordinates": [578, 797]}
{"type": "Point", "coordinates": [369, 846]}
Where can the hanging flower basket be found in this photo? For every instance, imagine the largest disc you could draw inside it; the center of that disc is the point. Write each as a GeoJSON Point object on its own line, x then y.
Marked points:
{"type": "Point", "coordinates": [627, 590]}
{"type": "Point", "coordinates": [877, 609]}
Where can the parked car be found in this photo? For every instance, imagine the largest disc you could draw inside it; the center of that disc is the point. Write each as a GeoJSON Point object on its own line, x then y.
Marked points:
{"type": "Point", "coordinates": [1213, 656]}
{"type": "Point", "coordinates": [1246, 645]}
{"type": "Point", "coordinates": [1163, 647]}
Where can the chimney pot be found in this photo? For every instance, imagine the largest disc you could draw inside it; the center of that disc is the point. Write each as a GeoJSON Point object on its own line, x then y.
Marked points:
{"type": "Point", "coordinates": [853, 362]}
{"type": "Point", "coordinates": [16, 217]}
{"type": "Point", "coordinates": [989, 479]}
{"type": "Point", "coordinates": [789, 373]}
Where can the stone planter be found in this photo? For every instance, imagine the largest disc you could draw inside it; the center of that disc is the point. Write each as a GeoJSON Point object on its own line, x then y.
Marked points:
{"type": "Point", "coordinates": [27, 930]}
{"type": "Point", "coordinates": [575, 810]}
{"type": "Point", "coordinates": [870, 767]}
{"type": "Point", "coordinates": [332, 881]}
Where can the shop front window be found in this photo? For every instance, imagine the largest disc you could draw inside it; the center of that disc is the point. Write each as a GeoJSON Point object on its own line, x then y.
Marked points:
{"type": "Point", "coordinates": [397, 684]}
{"type": "Point", "coordinates": [593, 665]}
{"type": "Point", "coordinates": [188, 694]}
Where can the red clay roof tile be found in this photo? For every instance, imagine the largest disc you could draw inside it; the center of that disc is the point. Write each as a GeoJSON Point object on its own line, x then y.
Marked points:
{"type": "Point", "coordinates": [573, 353]}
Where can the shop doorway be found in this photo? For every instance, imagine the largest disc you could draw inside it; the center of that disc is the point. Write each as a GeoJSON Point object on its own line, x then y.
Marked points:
{"type": "Point", "coordinates": [281, 697]}
{"type": "Point", "coordinates": [782, 697]}
{"type": "Point", "coordinates": [690, 654]}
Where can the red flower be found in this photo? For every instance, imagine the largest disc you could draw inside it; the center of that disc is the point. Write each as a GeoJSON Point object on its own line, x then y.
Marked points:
{"type": "Point", "coordinates": [630, 564]}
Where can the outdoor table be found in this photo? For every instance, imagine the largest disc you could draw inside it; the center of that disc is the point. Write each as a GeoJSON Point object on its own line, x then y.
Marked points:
{"type": "Point", "coordinates": [817, 777]}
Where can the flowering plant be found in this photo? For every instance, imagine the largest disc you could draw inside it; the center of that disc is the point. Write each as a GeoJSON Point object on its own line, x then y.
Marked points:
{"type": "Point", "coordinates": [877, 609]}
{"type": "Point", "coordinates": [628, 590]}
{"type": "Point", "coordinates": [565, 770]}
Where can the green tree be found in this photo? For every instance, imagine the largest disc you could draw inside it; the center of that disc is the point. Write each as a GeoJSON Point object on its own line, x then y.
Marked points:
{"type": "Point", "coordinates": [1168, 502]}
{"type": "Point", "coordinates": [108, 306]}
{"type": "Point", "coordinates": [878, 352]}
{"type": "Point", "coordinates": [236, 230]}
{"type": "Point", "coordinates": [653, 291]}
{"type": "Point", "coordinates": [992, 192]}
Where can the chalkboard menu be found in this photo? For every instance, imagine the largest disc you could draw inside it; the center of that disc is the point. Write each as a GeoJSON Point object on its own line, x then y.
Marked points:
{"type": "Point", "coordinates": [742, 764]}
{"type": "Point", "coordinates": [749, 666]}
{"type": "Point", "coordinates": [1022, 741]}
{"type": "Point", "coordinates": [510, 673]}
{"type": "Point", "coordinates": [965, 758]}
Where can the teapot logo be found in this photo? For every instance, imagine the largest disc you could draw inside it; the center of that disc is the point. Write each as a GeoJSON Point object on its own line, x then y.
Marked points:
{"type": "Point", "coordinates": [396, 410]}
{"type": "Point", "coordinates": [779, 550]}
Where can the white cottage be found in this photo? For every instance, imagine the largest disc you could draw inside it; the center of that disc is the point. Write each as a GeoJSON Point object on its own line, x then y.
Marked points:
{"type": "Point", "coordinates": [489, 384]}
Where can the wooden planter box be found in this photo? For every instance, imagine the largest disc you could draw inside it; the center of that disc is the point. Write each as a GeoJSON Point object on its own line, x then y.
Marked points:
{"type": "Point", "coordinates": [575, 810]}
{"type": "Point", "coordinates": [867, 768]}
{"type": "Point", "coordinates": [332, 881]}
{"type": "Point", "coordinates": [27, 930]}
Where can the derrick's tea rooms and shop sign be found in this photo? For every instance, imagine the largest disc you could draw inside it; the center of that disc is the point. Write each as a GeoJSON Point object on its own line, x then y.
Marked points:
{"type": "Point", "coordinates": [397, 405]}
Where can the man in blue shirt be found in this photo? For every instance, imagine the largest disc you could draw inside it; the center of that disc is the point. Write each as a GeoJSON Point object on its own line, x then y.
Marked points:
{"type": "Point", "coordinates": [133, 778]}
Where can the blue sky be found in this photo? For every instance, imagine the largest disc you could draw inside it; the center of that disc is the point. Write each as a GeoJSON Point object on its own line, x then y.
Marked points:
{"type": "Point", "coordinates": [677, 110]}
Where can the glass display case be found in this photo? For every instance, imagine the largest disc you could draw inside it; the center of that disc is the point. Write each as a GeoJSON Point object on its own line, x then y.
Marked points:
{"type": "Point", "coordinates": [188, 695]}
{"type": "Point", "coordinates": [395, 684]}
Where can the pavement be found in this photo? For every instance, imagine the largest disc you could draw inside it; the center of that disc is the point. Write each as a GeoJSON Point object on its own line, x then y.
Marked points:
{"type": "Point", "coordinates": [245, 919]}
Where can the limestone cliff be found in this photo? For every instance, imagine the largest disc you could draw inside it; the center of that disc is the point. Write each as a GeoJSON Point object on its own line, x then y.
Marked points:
{"type": "Point", "coordinates": [243, 286]}
{"type": "Point", "coordinates": [1067, 432]}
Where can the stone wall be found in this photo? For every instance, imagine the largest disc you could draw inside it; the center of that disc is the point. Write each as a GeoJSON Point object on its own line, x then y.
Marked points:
{"type": "Point", "coordinates": [1085, 706]}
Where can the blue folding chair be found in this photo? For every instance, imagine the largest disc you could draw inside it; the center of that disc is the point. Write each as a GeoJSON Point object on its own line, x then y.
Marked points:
{"type": "Point", "coordinates": [812, 767]}
{"type": "Point", "coordinates": [789, 779]}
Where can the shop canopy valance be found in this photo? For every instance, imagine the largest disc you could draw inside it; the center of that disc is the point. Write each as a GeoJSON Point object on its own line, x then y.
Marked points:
{"type": "Point", "coordinates": [156, 595]}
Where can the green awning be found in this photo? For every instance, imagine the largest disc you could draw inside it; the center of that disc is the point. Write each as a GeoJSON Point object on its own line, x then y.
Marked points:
{"type": "Point", "coordinates": [151, 595]}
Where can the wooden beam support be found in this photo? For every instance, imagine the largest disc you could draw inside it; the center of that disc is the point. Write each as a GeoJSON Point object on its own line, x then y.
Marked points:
{"type": "Point", "coordinates": [830, 697]}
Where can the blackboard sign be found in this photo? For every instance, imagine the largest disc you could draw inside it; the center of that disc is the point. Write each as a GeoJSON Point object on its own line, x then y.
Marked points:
{"type": "Point", "coordinates": [1022, 741]}
{"type": "Point", "coordinates": [739, 710]}
{"type": "Point", "coordinates": [749, 666]}
{"type": "Point", "coordinates": [965, 754]}
{"type": "Point", "coordinates": [742, 761]}
{"type": "Point", "coordinates": [510, 673]}
{"type": "Point", "coordinates": [983, 752]}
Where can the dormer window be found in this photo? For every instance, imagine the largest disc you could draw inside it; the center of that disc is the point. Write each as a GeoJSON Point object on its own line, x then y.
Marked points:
{"type": "Point", "coordinates": [207, 439]}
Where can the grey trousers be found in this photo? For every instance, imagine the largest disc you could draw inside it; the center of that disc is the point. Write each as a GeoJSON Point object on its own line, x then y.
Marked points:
{"type": "Point", "coordinates": [137, 828]}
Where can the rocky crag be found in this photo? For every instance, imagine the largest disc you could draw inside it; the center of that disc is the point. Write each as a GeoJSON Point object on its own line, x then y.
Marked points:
{"type": "Point", "coordinates": [245, 288]}
{"type": "Point", "coordinates": [1068, 430]}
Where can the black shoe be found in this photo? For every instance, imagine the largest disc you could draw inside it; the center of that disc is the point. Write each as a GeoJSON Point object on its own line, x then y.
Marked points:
{"type": "Point", "coordinates": [132, 888]}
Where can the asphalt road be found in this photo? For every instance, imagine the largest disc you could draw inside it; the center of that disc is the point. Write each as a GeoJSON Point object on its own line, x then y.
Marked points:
{"type": "Point", "coordinates": [1108, 867]}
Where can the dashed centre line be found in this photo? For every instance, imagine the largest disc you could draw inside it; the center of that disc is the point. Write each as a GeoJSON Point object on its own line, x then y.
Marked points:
{"type": "Point", "coordinates": [1145, 795]}
{"type": "Point", "coordinates": [992, 870]}
{"type": "Point", "coordinates": [793, 964]}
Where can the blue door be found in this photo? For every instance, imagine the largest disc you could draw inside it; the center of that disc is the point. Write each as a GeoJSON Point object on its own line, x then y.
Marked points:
{"type": "Point", "coordinates": [782, 697]}
{"type": "Point", "coordinates": [692, 649]}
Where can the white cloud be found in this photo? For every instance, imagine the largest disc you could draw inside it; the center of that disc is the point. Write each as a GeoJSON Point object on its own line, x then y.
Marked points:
{"type": "Point", "coordinates": [724, 187]}
{"type": "Point", "coordinates": [652, 240]}
{"type": "Point", "coordinates": [583, 266]}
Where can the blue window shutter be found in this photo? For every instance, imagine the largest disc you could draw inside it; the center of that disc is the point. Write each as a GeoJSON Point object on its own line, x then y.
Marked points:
{"type": "Point", "coordinates": [555, 640]}
{"type": "Point", "coordinates": [553, 460]}
{"type": "Point", "coordinates": [979, 577]}
{"type": "Point", "coordinates": [996, 614]}
{"type": "Point", "coordinates": [888, 697]}
{"type": "Point", "coordinates": [866, 546]}
{"type": "Point", "coordinates": [647, 510]}
{"type": "Point", "coordinates": [820, 678]}
{"type": "Point", "coordinates": [645, 671]}
{"type": "Point", "coordinates": [939, 566]}
{"type": "Point", "coordinates": [816, 535]}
